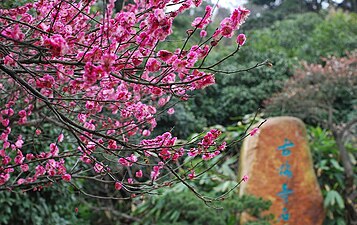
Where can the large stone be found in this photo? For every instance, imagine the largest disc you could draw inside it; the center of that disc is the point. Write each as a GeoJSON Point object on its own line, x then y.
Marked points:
{"type": "Point", "coordinates": [280, 169]}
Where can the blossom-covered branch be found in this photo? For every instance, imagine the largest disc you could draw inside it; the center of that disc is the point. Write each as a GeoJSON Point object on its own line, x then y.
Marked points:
{"type": "Point", "coordinates": [81, 91]}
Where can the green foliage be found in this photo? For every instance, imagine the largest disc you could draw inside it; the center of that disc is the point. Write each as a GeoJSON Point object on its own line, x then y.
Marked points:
{"type": "Point", "coordinates": [309, 36]}
{"type": "Point", "coordinates": [267, 17]}
{"type": "Point", "coordinates": [183, 207]}
{"type": "Point", "coordinates": [330, 173]}
{"type": "Point", "coordinates": [298, 38]}
{"type": "Point", "coordinates": [286, 36]}
{"type": "Point", "coordinates": [178, 205]}
{"type": "Point", "coordinates": [319, 94]}
{"type": "Point", "coordinates": [55, 206]}
{"type": "Point", "coordinates": [182, 123]}
{"type": "Point", "coordinates": [335, 35]}
{"type": "Point", "coordinates": [7, 4]}
{"type": "Point", "coordinates": [243, 93]}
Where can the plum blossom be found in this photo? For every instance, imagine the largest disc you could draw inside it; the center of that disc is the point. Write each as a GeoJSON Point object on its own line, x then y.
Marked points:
{"type": "Point", "coordinates": [254, 131]}
{"type": "Point", "coordinates": [171, 111]}
{"type": "Point", "coordinates": [245, 178]}
{"type": "Point", "coordinates": [118, 185]}
{"type": "Point", "coordinates": [66, 177]}
{"type": "Point", "coordinates": [128, 161]}
{"type": "Point", "coordinates": [139, 173]}
{"type": "Point", "coordinates": [241, 39]}
{"type": "Point", "coordinates": [56, 44]}
{"type": "Point", "coordinates": [98, 168]}
{"type": "Point", "coordinates": [107, 78]}
{"type": "Point", "coordinates": [192, 175]}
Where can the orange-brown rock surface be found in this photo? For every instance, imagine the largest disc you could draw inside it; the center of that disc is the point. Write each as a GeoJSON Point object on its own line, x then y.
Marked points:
{"type": "Point", "coordinates": [280, 169]}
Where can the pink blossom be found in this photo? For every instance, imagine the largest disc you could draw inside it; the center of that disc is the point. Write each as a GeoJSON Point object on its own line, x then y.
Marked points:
{"type": "Point", "coordinates": [109, 78]}
{"type": "Point", "coordinates": [108, 60]}
{"type": "Point", "coordinates": [9, 170]}
{"type": "Point", "coordinates": [163, 101]}
{"type": "Point", "coordinates": [112, 144]}
{"type": "Point", "coordinates": [118, 186]}
{"type": "Point", "coordinates": [4, 178]}
{"type": "Point", "coordinates": [24, 167]}
{"type": "Point", "coordinates": [254, 131]}
{"type": "Point", "coordinates": [222, 146]}
{"type": "Point", "coordinates": [165, 154]}
{"type": "Point", "coordinates": [29, 156]}
{"type": "Point", "coordinates": [146, 133]}
{"type": "Point", "coordinates": [164, 55]}
{"type": "Point", "coordinates": [156, 91]}
{"type": "Point", "coordinates": [19, 158]}
{"type": "Point", "coordinates": [139, 173]}
{"type": "Point", "coordinates": [51, 172]}
{"type": "Point", "coordinates": [98, 168]}
{"type": "Point", "coordinates": [60, 138]}
{"type": "Point", "coordinates": [86, 159]}
{"type": "Point", "coordinates": [207, 156]}
{"type": "Point", "coordinates": [6, 145]}
{"type": "Point", "coordinates": [238, 16]}
{"type": "Point", "coordinates": [54, 149]}
{"type": "Point", "coordinates": [9, 61]}
{"type": "Point", "coordinates": [128, 161]}
{"type": "Point", "coordinates": [153, 65]}
{"type": "Point", "coordinates": [66, 177]}
{"type": "Point", "coordinates": [197, 2]}
{"type": "Point", "coordinates": [193, 152]}
{"type": "Point", "coordinates": [22, 113]}
{"type": "Point", "coordinates": [171, 111]}
{"type": "Point", "coordinates": [155, 172]}
{"type": "Point", "coordinates": [19, 143]}
{"type": "Point", "coordinates": [7, 112]}
{"type": "Point", "coordinates": [200, 22]}
{"type": "Point", "coordinates": [204, 80]}
{"type": "Point", "coordinates": [192, 175]}
{"type": "Point", "coordinates": [245, 178]}
{"type": "Point", "coordinates": [6, 160]}
{"type": "Point", "coordinates": [40, 170]}
{"type": "Point", "coordinates": [82, 118]}
{"type": "Point", "coordinates": [227, 31]}
{"type": "Point", "coordinates": [241, 39]}
{"type": "Point", "coordinates": [203, 33]}
{"type": "Point", "coordinates": [21, 181]}
{"type": "Point", "coordinates": [56, 44]}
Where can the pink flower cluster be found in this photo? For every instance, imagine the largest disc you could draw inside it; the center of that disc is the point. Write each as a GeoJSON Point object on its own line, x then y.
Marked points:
{"type": "Point", "coordinates": [232, 23]}
{"type": "Point", "coordinates": [200, 22]}
{"type": "Point", "coordinates": [163, 145]}
{"type": "Point", "coordinates": [56, 44]}
{"type": "Point", "coordinates": [156, 171]}
{"type": "Point", "coordinates": [208, 147]}
{"type": "Point", "coordinates": [128, 161]}
{"type": "Point", "coordinates": [99, 81]}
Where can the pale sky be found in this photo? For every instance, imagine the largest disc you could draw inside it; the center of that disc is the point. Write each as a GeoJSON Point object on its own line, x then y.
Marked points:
{"type": "Point", "coordinates": [230, 3]}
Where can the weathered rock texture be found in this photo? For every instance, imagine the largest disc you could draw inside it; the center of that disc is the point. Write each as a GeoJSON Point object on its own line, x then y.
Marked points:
{"type": "Point", "coordinates": [280, 169]}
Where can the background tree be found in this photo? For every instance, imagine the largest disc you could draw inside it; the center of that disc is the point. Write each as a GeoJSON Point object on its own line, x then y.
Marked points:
{"type": "Point", "coordinates": [326, 95]}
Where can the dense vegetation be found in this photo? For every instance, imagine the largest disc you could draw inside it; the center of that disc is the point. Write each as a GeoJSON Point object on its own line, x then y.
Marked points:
{"type": "Point", "coordinates": [286, 38]}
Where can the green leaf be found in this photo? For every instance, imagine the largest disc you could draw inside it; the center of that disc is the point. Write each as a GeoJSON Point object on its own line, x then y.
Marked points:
{"type": "Point", "coordinates": [339, 200]}
{"type": "Point", "coordinates": [340, 221]}
{"type": "Point", "coordinates": [174, 216]}
{"type": "Point", "coordinates": [336, 164]}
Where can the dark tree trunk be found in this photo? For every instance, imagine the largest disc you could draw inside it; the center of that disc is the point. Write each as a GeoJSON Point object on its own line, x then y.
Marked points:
{"type": "Point", "coordinates": [350, 194]}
